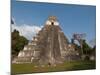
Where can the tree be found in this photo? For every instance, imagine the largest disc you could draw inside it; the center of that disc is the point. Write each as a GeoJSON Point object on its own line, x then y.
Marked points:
{"type": "Point", "coordinates": [17, 42]}
{"type": "Point", "coordinates": [86, 48]}
{"type": "Point", "coordinates": [93, 52]}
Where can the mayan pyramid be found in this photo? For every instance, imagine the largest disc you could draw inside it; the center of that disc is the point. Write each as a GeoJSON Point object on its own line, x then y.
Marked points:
{"type": "Point", "coordinates": [49, 46]}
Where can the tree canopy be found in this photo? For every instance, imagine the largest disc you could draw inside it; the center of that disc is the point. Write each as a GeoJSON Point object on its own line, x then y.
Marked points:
{"type": "Point", "coordinates": [17, 42]}
{"type": "Point", "coordinates": [86, 48]}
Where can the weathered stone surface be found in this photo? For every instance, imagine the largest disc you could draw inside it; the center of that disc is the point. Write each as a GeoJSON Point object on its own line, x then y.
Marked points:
{"type": "Point", "coordinates": [49, 46]}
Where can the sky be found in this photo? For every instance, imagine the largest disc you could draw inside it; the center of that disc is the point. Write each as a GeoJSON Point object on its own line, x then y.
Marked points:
{"type": "Point", "coordinates": [72, 18]}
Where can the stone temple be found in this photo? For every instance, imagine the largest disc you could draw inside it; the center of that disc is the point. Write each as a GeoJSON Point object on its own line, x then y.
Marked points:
{"type": "Point", "coordinates": [49, 46]}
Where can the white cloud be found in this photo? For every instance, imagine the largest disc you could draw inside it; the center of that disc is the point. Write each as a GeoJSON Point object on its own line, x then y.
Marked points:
{"type": "Point", "coordinates": [27, 31]}
{"type": "Point", "coordinates": [92, 42]}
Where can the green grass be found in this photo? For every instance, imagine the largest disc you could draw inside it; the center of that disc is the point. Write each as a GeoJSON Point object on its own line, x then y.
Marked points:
{"type": "Point", "coordinates": [66, 66]}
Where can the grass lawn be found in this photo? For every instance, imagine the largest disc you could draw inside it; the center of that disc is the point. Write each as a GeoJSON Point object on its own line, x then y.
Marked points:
{"type": "Point", "coordinates": [66, 66]}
